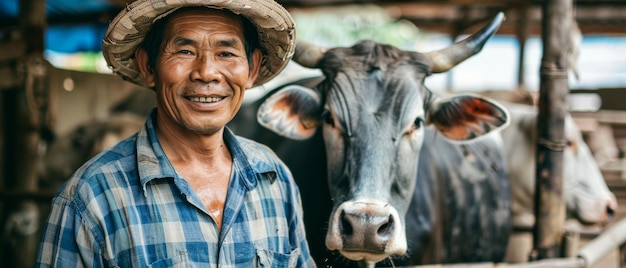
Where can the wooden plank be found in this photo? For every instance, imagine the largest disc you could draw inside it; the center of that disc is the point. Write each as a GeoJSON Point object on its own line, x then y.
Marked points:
{"type": "Point", "coordinates": [612, 117]}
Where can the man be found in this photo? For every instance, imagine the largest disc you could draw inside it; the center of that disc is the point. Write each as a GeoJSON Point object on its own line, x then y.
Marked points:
{"type": "Point", "coordinates": [185, 191]}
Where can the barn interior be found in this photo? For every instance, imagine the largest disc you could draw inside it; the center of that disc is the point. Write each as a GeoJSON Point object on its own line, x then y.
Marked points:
{"type": "Point", "coordinates": [47, 91]}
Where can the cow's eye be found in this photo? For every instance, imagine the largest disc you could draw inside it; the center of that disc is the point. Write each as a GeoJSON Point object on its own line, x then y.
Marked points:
{"type": "Point", "coordinates": [328, 118]}
{"type": "Point", "coordinates": [418, 123]}
{"type": "Point", "coordinates": [572, 145]}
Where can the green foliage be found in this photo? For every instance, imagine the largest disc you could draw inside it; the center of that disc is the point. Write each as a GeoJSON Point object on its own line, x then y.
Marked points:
{"type": "Point", "coordinates": [79, 61]}
{"type": "Point", "coordinates": [347, 25]}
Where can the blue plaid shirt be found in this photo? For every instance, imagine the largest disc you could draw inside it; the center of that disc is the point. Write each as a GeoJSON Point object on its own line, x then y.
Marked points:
{"type": "Point", "coordinates": [127, 207]}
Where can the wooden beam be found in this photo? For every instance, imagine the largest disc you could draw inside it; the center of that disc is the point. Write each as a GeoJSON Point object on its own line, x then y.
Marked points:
{"type": "Point", "coordinates": [27, 105]}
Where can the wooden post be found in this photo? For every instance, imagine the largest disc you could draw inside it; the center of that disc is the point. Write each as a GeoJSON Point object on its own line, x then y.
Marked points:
{"type": "Point", "coordinates": [549, 205]}
{"type": "Point", "coordinates": [25, 108]}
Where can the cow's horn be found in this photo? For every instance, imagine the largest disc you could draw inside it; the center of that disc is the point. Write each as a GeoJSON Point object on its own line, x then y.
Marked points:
{"type": "Point", "coordinates": [307, 54]}
{"type": "Point", "coordinates": [444, 59]}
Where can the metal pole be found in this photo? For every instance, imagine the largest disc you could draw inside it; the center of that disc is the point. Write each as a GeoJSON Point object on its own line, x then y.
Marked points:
{"type": "Point", "coordinates": [522, 37]}
{"type": "Point", "coordinates": [611, 239]}
{"type": "Point", "coordinates": [549, 205]}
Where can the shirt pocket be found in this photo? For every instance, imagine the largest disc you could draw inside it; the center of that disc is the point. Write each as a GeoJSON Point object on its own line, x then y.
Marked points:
{"type": "Point", "coordinates": [267, 258]}
{"type": "Point", "coordinates": [179, 261]}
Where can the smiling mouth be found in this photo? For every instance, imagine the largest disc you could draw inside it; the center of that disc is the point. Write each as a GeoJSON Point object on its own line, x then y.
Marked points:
{"type": "Point", "coordinates": [205, 99]}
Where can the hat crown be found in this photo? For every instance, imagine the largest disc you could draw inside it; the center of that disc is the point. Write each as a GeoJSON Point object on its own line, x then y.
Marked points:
{"type": "Point", "coordinates": [275, 27]}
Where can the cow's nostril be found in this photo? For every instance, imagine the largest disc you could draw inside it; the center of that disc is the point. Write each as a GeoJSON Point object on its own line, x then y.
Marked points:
{"type": "Point", "coordinates": [610, 212]}
{"type": "Point", "coordinates": [346, 225]}
{"type": "Point", "coordinates": [385, 228]}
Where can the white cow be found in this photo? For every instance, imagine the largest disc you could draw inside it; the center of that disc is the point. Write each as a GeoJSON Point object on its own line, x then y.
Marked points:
{"type": "Point", "coordinates": [586, 194]}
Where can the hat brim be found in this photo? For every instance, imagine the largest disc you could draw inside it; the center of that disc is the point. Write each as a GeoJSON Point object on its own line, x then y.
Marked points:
{"type": "Point", "coordinates": [274, 24]}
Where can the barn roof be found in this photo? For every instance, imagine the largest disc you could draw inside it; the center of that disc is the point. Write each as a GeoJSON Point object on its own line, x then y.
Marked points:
{"type": "Point", "coordinates": [446, 16]}
{"type": "Point", "coordinates": [78, 25]}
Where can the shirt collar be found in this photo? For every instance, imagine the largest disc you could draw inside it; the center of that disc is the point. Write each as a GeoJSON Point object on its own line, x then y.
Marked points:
{"type": "Point", "coordinates": [152, 162]}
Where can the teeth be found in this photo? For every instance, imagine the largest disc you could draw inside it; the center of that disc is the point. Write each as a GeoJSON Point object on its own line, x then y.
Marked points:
{"type": "Point", "coordinates": [205, 99]}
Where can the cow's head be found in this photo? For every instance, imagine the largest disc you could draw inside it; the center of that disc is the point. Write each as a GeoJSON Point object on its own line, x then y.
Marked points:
{"type": "Point", "coordinates": [586, 195]}
{"type": "Point", "coordinates": [373, 108]}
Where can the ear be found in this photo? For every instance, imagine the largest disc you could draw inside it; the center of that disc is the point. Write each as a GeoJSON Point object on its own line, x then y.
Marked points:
{"type": "Point", "coordinates": [257, 59]}
{"type": "Point", "coordinates": [292, 112]}
{"type": "Point", "coordinates": [141, 56]}
{"type": "Point", "coordinates": [466, 117]}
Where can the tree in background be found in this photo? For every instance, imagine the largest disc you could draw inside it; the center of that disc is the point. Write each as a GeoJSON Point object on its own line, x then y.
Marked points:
{"type": "Point", "coordinates": [347, 25]}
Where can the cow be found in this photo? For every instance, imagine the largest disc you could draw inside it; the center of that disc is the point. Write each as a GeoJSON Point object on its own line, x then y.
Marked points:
{"type": "Point", "coordinates": [467, 174]}
{"type": "Point", "coordinates": [360, 133]}
{"type": "Point", "coordinates": [586, 195]}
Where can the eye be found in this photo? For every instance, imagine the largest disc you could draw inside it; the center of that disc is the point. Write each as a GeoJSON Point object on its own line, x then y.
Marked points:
{"type": "Point", "coordinates": [418, 123]}
{"type": "Point", "coordinates": [572, 145]}
{"type": "Point", "coordinates": [185, 52]}
{"type": "Point", "coordinates": [328, 118]}
{"type": "Point", "coordinates": [226, 54]}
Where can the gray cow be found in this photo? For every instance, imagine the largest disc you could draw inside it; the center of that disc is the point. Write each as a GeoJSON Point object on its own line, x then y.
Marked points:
{"type": "Point", "coordinates": [373, 111]}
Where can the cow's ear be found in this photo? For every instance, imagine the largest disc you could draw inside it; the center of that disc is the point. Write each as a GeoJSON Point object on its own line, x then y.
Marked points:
{"type": "Point", "coordinates": [466, 117]}
{"type": "Point", "coordinates": [292, 112]}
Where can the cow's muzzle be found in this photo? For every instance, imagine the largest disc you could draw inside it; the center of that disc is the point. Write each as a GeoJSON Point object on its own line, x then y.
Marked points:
{"type": "Point", "coordinates": [366, 229]}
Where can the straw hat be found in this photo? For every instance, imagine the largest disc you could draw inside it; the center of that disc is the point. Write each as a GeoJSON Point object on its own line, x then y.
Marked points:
{"type": "Point", "coordinates": [274, 24]}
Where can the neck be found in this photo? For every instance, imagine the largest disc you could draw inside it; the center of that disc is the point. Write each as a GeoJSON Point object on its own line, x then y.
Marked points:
{"type": "Point", "coordinates": [204, 161]}
{"type": "Point", "coordinates": [183, 145]}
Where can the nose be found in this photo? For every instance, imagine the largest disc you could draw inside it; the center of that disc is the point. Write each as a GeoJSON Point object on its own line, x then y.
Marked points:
{"type": "Point", "coordinates": [610, 209]}
{"type": "Point", "coordinates": [610, 213]}
{"type": "Point", "coordinates": [366, 227]}
{"type": "Point", "coordinates": [205, 70]}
